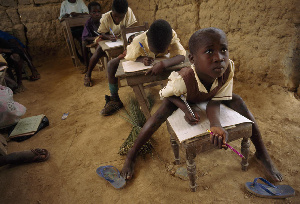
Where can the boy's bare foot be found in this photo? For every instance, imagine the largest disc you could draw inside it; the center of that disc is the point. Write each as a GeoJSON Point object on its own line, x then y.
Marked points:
{"type": "Point", "coordinates": [33, 155]}
{"type": "Point", "coordinates": [270, 168]}
{"type": "Point", "coordinates": [128, 169]}
{"type": "Point", "coordinates": [35, 76]}
{"type": "Point", "coordinates": [87, 81]}
{"type": "Point", "coordinates": [20, 88]}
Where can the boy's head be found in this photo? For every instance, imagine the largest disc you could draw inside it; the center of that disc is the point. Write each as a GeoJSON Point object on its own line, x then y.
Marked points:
{"type": "Point", "coordinates": [95, 10]}
{"type": "Point", "coordinates": [119, 10]}
{"type": "Point", "coordinates": [209, 53]}
{"type": "Point", "coordinates": [159, 36]}
{"type": "Point", "coordinates": [72, 1]}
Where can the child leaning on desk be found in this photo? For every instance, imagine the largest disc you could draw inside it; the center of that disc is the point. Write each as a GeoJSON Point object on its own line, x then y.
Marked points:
{"type": "Point", "coordinates": [110, 27]}
{"type": "Point", "coordinates": [210, 78]}
{"type": "Point", "coordinates": [158, 41]}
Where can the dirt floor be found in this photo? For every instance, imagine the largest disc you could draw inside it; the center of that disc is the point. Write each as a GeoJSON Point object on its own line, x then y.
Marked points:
{"type": "Point", "coordinates": [87, 140]}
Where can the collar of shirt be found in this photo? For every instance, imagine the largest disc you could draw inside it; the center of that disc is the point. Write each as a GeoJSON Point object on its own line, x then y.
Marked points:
{"type": "Point", "coordinates": [200, 85]}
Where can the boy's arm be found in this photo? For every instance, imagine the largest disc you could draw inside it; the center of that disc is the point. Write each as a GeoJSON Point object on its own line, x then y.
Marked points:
{"type": "Point", "coordinates": [188, 116]}
{"type": "Point", "coordinates": [220, 135]}
{"type": "Point", "coordinates": [160, 66]}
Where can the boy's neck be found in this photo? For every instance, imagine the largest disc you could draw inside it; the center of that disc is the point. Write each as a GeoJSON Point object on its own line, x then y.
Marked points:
{"type": "Point", "coordinates": [207, 85]}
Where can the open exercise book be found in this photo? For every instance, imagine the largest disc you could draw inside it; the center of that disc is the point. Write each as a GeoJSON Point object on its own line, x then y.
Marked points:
{"type": "Point", "coordinates": [131, 66]}
{"type": "Point", "coordinates": [184, 131]}
{"type": "Point", "coordinates": [27, 126]}
{"type": "Point", "coordinates": [119, 42]}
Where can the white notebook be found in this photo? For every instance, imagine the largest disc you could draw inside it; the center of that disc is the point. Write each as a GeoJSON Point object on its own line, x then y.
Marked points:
{"type": "Point", "coordinates": [185, 131]}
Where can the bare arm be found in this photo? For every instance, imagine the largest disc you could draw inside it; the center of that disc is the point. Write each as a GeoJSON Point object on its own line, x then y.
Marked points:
{"type": "Point", "coordinates": [220, 135]}
{"type": "Point", "coordinates": [188, 116]}
{"type": "Point", "coordinates": [160, 66]}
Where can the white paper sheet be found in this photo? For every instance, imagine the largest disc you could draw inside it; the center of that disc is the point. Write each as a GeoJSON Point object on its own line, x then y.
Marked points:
{"type": "Point", "coordinates": [118, 43]}
{"type": "Point", "coordinates": [184, 131]}
{"type": "Point", "coordinates": [131, 66]}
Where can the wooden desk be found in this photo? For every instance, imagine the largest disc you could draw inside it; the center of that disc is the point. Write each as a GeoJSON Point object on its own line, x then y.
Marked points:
{"type": "Point", "coordinates": [202, 143]}
{"type": "Point", "coordinates": [136, 81]}
{"type": "Point", "coordinates": [111, 52]}
{"type": "Point", "coordinates": [67, 24]}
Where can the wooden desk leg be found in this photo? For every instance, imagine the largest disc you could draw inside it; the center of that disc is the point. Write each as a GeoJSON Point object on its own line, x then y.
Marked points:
{"type": "Point", "coordinates": [139, 93]}
{"type": "Point", "coordinates": [191, 167]}
{"type": "Point", "coordinates": [245, 151]}
{"type": "Point", "coordinates": [175, 148]}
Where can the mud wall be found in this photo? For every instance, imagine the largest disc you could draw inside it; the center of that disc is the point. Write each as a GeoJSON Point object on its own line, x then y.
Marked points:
{"type": "Point", "coordinates": [263, 34]}
{"type": "Point", "coordinates": [36, 24]}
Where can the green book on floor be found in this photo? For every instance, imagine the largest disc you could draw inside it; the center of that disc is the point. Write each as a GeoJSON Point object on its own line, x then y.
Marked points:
{"type": "Point", "coordinates": [27, 126]}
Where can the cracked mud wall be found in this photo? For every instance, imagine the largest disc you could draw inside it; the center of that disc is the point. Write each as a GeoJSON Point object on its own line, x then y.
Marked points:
{"type": "Point", "coordinates": [36, 24]}
{"type": "Point", "coordinates": [263, 34]}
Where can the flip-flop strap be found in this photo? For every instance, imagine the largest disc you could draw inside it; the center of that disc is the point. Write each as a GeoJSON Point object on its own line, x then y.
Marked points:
{"type": "Point", "coordinates": [263, 187]}
{"type": "Point", "coordinates": [104, 176]}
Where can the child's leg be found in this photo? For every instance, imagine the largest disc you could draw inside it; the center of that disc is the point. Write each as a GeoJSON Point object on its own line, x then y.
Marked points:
{"type": "Point", "coordinates": [85, 56]}
{"type": "Point", "coordinates": [262, 155]}
{"type": "Point", "coordinates": [152, 124]}
{"type": "Point", "coordinates": [93, 61]}
{"type": "Point", "coordinates": [113, 102]}
{"type": "Point", "coordinates": [17, 63]}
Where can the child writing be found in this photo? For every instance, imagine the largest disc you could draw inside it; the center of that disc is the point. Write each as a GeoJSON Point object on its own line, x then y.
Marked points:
{"type": "Point", "coordinates": [210, 78]}
{"type": "Point", "coordinates": [90, 30]}
{"type": "Point", "coordinates": [120, 15]}
{"type": "Point", "coordinates": [158, 41]}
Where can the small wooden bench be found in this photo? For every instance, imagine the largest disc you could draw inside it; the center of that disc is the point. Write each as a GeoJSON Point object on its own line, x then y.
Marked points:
{"type": "Point", "coordinates": [202, 143]}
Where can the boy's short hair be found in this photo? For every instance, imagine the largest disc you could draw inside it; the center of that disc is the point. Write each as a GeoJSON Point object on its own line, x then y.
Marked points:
{"type": "Point", "coordinates": [160, 34]}
{"type": "Point", "coordinates": [200, 35]}
{"type": "Point", "coordinates": [120, 6]}
{"type": "Point", "coordinates": [93, 3]}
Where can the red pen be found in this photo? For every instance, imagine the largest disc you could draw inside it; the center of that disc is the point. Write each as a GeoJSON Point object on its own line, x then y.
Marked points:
{"type": "Point", "coordinates": [242, 156]}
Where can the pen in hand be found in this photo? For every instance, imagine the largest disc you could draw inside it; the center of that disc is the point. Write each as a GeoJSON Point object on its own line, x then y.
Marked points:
{"type": "Point", "coordinates": [112, 32]}
{"type": "Point", "coordinates": [143, 49]}
{"type": "Point", "coordinates": [242, 156]}
{"type": "Point", "coordinates": [187, 105]}
{"type": "Point", "coordinates": [96, 33]}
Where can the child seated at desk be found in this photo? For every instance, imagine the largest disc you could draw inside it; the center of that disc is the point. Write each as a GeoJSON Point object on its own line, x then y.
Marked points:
{"type": "Point", "coordinates": [120, 15]}
{"type": "Point", "coordinates": [74, 8]}
{"type": "Point", "coordinates": [158, 41]}
{"type": "Point", "coordinates": [90, 30]}
{"type": "Point", "coordinates": [210, 78]}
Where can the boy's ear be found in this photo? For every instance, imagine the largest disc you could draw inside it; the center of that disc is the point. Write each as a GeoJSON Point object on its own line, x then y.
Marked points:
{"type": "Point", "coordinates": [191, 58]}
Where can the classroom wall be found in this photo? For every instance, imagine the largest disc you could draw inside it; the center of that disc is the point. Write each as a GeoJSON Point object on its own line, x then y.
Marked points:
{"type": "Point", "coordinates": [36, 24]}
{"type": "Point", "coordinates": [263, 35]}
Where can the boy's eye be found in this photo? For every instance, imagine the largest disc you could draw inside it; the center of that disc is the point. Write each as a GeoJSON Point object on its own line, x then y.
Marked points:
{"type": "Point", "coordinates": [224, 50]}
{"type": "Point", "coordinates": [210, 51]}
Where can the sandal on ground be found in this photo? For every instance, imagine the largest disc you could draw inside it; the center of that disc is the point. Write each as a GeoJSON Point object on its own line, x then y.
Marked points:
{"type": "Point", "coordinates": [269, 190]}
{"type": "Point", "coordinates": [87, 81]}
{"type": "Point", "coordinates": [34, 77]}
{"type": "Point", "coordinates": [112, 175]}
{"type": "Point", "coordinates": [40, 155]}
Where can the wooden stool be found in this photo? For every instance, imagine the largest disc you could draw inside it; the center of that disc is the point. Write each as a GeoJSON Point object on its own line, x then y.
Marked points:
{"type": "Point", "coordinates": [202, 143]}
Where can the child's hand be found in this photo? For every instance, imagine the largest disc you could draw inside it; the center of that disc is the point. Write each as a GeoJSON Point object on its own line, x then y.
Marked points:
{"type": "Point", "coordinates": [147, 61]}
{"type": "Point", "coordinates": [190, 119]}
{"type": "Point", "coordinates": [156, 69]}
{"type": "Point", "coordinates": [112, 38]}
{"type": "Point", "coordinates": [219, 137]}
{"type": "Point", "coordinates": [74, 14]}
